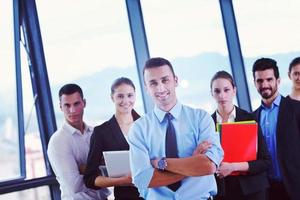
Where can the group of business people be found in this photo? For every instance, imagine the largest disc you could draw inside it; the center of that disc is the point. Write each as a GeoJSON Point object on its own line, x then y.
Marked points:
{"type": "Point", "coordinates": [175, 152]}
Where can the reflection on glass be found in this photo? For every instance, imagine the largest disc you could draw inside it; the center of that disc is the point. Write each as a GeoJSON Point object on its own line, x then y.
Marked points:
{"type": "Point", "coordinates": [268, 29]}
{"type": "Point", "coordinates": [35, 163]}
{"type": "Point", "coordinates": [9, 159]}
{"type": "Point", "coordinates": [191, 36]}
{"type": "Point", "coordinates": [31, 194]}
{"type": "Point", "coordinates": [90, 46]}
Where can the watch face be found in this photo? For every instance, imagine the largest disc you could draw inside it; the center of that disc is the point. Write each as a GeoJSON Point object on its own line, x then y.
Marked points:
{"type": "Point", "coordinates": [162, 164]}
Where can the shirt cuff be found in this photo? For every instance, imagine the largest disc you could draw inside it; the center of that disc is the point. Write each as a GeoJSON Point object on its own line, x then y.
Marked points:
{"type": "Point", "coordinates": [213, 158]}
{"type": "Point", "coordinates": [142, 179]}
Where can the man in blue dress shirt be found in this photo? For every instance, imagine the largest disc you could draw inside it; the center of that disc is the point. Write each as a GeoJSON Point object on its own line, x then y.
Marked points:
{"type": "Point", "coordinates": [151, 171]}
{"type": "Point", "coordinates": [279, 118]}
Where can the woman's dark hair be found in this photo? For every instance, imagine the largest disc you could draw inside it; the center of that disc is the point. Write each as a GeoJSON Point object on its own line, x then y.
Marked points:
{"type": "Point", "coordinates": [120, 81]}
{"type": "Point", "coordinates": [70, 88]}
{"type": "Point", "coordinates": [222, 74]}
{"type": "Point", "coordinates": [295, 61]}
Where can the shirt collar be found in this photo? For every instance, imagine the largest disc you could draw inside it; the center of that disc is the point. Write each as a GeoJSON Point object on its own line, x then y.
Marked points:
{"type": "Point", "coordinates": [231, 117]}
{"type": "Point", "coordinates": [276, 102]}
{"type": "Point", "coordinates": [175, 111]}
{"type": "Point", "coordinates": [73, 130]}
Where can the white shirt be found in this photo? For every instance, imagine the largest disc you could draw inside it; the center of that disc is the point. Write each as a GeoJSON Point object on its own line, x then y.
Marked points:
{"type": "Point", "coordinates": [231, 117]}
{"type": "Point", "coordinates": [67, 150]}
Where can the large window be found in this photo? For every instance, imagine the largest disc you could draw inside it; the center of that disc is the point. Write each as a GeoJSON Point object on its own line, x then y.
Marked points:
{"type": "Point", "coordinates": [268, 29]}
{"type": "Point", "coordinates": [20, 145]}
{"type": "Point", "coordinates": [35, 162]}
{"type": "Point", "coordinates": [9, 139]}
{"type": "Point", "coordinates": [90, 46]}
{"type": "Point", "coordinates": [190, 35]}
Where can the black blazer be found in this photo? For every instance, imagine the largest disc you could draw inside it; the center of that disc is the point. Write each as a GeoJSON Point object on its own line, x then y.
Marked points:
{"type": "Point", "coordinates": [108, 137]}
{"type": "Point", "coordinates": [256, 179]}
{"type": "Point", "coordinates": [288, 144]}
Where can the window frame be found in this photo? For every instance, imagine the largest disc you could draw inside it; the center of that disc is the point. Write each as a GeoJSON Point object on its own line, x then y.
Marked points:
{"type": "Point", "coordinates": [25, 17]}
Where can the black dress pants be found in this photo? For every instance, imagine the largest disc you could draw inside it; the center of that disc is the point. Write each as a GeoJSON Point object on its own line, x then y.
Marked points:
{"type": "Point", "coordinates": [232, 191]}
{"type": "Point", "coordinates": [277, 191]}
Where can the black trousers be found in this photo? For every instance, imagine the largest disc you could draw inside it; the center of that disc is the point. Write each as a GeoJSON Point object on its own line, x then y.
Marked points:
{"type": "Point", "coordinates": [277, 191]}
{"type": "Point", "coordinates": [257, 195]}
{"type": "Point", "coordinates": [232, 191]}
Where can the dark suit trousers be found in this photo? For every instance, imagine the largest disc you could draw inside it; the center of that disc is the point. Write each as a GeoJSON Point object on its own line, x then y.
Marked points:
{"type": "Point", "coordinates": [277, 191]}
{"type": "Point", "coordinates": [234, 192]}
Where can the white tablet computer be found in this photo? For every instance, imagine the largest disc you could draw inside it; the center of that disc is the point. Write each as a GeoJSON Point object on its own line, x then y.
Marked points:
{"type": "Point", "coordinates": [117, 163]}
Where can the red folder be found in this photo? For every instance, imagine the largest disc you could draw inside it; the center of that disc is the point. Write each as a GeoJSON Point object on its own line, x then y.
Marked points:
{"type": "Point", "coordinates": [239, 141]}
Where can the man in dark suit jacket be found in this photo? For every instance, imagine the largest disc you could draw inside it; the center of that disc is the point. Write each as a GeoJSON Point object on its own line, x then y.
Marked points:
{"type": "Point", "coordinates": [279, 118]}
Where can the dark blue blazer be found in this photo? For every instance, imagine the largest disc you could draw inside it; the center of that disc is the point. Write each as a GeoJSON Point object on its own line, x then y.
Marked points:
{"type": "Point", "coordinates": [288, 144]}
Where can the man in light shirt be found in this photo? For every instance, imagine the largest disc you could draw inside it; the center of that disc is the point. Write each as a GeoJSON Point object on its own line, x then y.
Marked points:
{"type": "Point", "coordinates": [69, 146]}
{"type": "Point", "coordinates": [164, 160]}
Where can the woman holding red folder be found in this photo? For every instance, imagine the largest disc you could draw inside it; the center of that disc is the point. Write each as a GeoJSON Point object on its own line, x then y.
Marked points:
{"type": "Point", "coordinates": [251, 184]}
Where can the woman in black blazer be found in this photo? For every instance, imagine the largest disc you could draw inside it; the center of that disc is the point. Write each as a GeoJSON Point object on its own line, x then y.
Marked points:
{"type": "Point", "coordinates": [112, 136]}
{"type": "Point", "coordinates": [253, 183]}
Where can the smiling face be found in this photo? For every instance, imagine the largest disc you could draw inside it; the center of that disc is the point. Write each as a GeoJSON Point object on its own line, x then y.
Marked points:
{"type": "Point", "coordinates": [124, 98]}
{"type": "Point", "coordinates": [73, 107]}
{"type": "Point", "coordinates": [160, 83]}
{"type": "Point", "coordinates": [294, 75]}
{"type": "Point", "coordinates": [266, 84]}
{"type": "Point", "coordinates": [223, 92]}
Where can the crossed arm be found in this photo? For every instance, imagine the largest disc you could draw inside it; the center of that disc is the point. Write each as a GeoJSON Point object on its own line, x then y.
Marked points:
{"type": "Point", "coordinates": [163, 178]}
{"type": "Point", "coordinates": [178, 168]}
{"type": "Point", "coordinates": [66, 169]}
{"type": "Point", "coordinates": [145, 172]}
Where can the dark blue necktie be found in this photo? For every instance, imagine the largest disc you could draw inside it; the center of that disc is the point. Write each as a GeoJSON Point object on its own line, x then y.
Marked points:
{"type": "Point", "coordinates": [171, 146]}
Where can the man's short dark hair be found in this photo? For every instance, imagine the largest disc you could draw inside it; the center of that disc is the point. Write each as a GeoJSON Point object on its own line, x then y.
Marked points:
{"type": "Point", "coordinates": [157, 62]}
{"type": "Point", "coordinates": [264, 64]}
{"type": "Point", "coordinates": [295, 61]}
{"type": "Point", "coordinates": [70, 88]}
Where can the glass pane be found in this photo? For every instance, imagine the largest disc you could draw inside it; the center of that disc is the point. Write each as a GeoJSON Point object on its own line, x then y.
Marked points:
{"type": "Point", "coordinates": [35, 163]}
{"type": "Point", "coordinates": [193, 41]}
{"type": "Point", "coordinates": [90, 46]}
{"type": "Point", "coordinates": [31, 194]}
{"type": "Point", "coordinates": [9, 141]}
{"type": "Point", "coordinates": [268, 29]}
